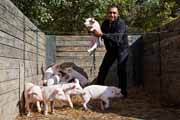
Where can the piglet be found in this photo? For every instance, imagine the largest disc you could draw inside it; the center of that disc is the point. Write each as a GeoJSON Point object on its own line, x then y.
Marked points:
{"type": "Point", "coordinates": [73, 88]}
{"type": "Point", "coordinates": [61, 91]}
{"type": "Point", "coordinates": [100, 92]}
{"type": "Point", "coordinates": [50, 94]}
{"type": "Point", "coordinates": [73, 74]}
{"type": "Point", "coordinates": [32, 94]}
{"type": "Point", "coordinates": [93, 25]}
{"type": "Point", "coordinates": [51, 75]}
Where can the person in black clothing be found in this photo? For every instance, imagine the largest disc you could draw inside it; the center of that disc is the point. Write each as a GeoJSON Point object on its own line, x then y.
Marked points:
{"type": "Point", "coordinates": [114, 33]}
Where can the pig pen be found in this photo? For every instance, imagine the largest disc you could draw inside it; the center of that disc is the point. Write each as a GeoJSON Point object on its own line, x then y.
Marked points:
{"type": "Point", "coordinates": [138, 106]}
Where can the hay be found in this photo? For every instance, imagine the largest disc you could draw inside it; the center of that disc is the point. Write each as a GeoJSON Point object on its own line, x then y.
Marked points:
{"type": "Point", "coordinates": [138, 106]}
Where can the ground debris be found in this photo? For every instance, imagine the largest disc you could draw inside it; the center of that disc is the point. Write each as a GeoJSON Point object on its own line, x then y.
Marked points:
{"type": "Point", "coordinates": [138, 106]}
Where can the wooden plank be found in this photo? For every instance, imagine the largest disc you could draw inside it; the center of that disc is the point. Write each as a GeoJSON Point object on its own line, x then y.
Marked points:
{"type": "Point", "coordinates": [11, 16]}
{"type": "Point", "coordinates": [10, 29]}
{"type": "Point", "coordinates": [82, 54]}
{"type": "Point", "coordinates": [7, 51]}
{"type": "Point", "coordinates": [73, 43]}
{"type": "Point", "coordinates": [78, 48]}
{"type": "Point", "coordinates": [9, 74]}
{"type": "Point", "coordinates": [10, 41]}
{"type": "Point", "coordinates": [74, 38]}
{"type": "Point", "coordinates": [7, 63]}
{"type": "Point", "coordinates": [8, 86]}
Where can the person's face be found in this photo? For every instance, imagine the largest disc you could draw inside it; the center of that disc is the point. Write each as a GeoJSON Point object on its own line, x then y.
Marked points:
{"type": "Point", "coordinates": [112, 14]}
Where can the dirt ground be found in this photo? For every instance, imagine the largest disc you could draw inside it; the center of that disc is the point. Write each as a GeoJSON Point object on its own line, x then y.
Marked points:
{"type": "Point", "coordinates": [138, 106]}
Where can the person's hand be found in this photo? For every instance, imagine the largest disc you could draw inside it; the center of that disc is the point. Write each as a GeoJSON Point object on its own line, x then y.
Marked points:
{"type": "Point", "coordinates": [98, 33]}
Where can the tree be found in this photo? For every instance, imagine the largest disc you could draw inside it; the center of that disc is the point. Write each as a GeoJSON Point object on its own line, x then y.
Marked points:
{"type": "Point", "coordinates": [67, 16]}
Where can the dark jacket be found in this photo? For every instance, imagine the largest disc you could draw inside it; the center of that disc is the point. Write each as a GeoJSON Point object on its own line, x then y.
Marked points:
{"type": "Point", "coordinates": [114, 34]}
{"type": "Point", "coordinates": [114, 37]}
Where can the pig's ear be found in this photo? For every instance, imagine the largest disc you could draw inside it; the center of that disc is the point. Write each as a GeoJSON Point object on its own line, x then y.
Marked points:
{"type": "Point", "coordinates": [76, 80]}
{"type": "Point", "coordinates": [29, 92]}
{"type": "Point", "coordinates": [57, 67]}
{"type": "Point", "coordinates": [92, 20]}
{"type": "Point", "coordinates": [73, 87]}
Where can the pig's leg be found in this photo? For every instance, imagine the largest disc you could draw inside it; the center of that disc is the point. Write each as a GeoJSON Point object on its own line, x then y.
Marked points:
{"type": "Point", "coordinates": [92, 29]}
{"type": "Point", "coordinates": [86, 100]}
{"type": "Point", "coordinates": [38, 106]}
{"type": "Point", "coordinates": [52, 107]}
{"type": "Point", "coordinates": [102, 106]}
{"type": "Point", "coordinates": [45, 108]}
{"type": "Point", "coordinates": [98, 41]}
{"type": "Point", "coordinates": [69, 100]}
{"type": "Point", "coordinates": [93, 48]}
{"type": "Point", "coordinates": [106, 100]}
{"type": "Point", "coordinates": [28, 109]}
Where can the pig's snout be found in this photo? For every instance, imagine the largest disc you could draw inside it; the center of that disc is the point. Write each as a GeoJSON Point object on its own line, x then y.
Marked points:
{"type": "Point", "coordinates": [118, 94]}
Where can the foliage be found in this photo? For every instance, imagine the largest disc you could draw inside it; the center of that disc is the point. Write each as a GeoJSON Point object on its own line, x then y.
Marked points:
{"type": "Point", "coordinates": [67, 16]}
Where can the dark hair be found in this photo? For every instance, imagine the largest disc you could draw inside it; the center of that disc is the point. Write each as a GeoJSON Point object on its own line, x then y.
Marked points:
{"type": "Point", "coordinates": [112, 6]}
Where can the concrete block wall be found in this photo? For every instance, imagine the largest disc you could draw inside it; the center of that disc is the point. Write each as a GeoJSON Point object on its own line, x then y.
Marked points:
{"type": "Point", "coordinates": [162, 63]}
{"type": "Point", "coordinates": [22, 52]}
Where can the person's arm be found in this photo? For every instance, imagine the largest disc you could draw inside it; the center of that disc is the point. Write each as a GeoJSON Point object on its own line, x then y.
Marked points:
{"type": "Point", "coordinates": [117, 36]}
{"type": "Point", "coordinates": [114, 37]}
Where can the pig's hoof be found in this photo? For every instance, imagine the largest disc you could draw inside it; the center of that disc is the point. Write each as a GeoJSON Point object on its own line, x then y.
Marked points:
{"type": "Point", "coordinates": [86, 109]}
{"type": "Point", "coordinates": [106, 106]}
{"type": "Point", "coordinates": [92, 52]}
{"type": "Point", "coordinates": [72, 106]}
{"type": "Point", "coordinates": [39, 110]}
{"type": "Point", "coordinates": [53, 112]}
{"type": "Point", "coordinates": [29, 115]}
{"type": "Point", "coordinates": [45, 113]}
{"type": "Point", "coordinates": [89, 51]}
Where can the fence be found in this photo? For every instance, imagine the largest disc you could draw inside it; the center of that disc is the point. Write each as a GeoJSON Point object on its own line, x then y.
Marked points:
{"type": "Point", "coordinates": [22, 52]}
{"type": "Point", "coordinates": [73, 48]}
{"type": "Point", "coordinates": [162, 62]}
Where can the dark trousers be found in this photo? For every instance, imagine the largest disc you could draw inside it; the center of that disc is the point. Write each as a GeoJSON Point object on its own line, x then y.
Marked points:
{"type": "Point", "coordinates": [107, 62]}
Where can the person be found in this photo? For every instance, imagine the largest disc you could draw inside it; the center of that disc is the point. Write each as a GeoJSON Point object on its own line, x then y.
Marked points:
{"type": "Point", "coordinates": [114, 32]}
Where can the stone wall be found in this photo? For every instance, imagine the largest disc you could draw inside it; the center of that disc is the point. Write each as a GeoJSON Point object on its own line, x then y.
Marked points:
{"type": "Point", "coordinates": [22, 52]}
{"type": "Point", "coordinates": [162, 62]}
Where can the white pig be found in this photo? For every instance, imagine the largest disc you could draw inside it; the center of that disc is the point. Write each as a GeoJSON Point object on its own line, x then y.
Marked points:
{"type": "Point", "coordinates": [50, 94]}
{"type": "Point", "coordinates": [100, 92]}
{"type": "Point", "coordinates": [92, 24]}
{"type": "Point", "coordinates": [61, 91]}
{"type": "Point", "coordinates": [32, 94]}
{"type": "Point", "coordinates": [73, 88]}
